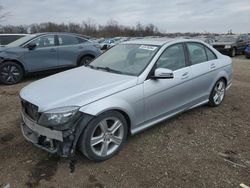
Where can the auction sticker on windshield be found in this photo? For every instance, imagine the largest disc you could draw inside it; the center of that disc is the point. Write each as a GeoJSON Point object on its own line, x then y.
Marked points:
{"type": "Point", "coordinates": [145, 47]}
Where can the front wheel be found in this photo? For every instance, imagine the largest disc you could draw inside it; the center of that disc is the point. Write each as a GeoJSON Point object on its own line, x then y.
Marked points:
{"type": "Point", "coordinates": [218, 93]}
{"type": "Point", "coordinates": [10, 73]}
{"type": "Point", "coordinates": [104, 136]}
{"type": "Point", "coordinates": [85, 60]}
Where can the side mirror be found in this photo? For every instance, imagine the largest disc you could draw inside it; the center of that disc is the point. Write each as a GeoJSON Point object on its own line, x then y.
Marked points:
{"type": "Point", "coordinates": [162, 73]}
{"type": "Point", "coordinates": [31, 46]}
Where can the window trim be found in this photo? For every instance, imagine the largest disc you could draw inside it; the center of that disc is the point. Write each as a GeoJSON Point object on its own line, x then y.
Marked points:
{"type": "Point", "coordinates": [154, 66]}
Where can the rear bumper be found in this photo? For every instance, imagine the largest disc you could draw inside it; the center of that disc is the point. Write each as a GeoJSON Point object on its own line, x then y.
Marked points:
{"type": "Point", "coordinates": [60, 142]}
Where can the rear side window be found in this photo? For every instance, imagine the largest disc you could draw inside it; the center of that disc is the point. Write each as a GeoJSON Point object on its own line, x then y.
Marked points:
{"type": "Point", "coordinates": [210, 54]}
{"type": "Point", "coordinates": [197, 53]}
{"type": "Point", "coordinates": [172, 58]}
{"type": "Point", "coordinates": [67, 40]}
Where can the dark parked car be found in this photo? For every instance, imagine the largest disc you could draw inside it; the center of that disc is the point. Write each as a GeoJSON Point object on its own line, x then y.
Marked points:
{"type": "Point", "coordinates": [232, 44]}
{"type": "Point", "coordinates": [8, 38]}
{"type": "Point", "coordinates": [247, 52]}
{"type": "Point", "coordinates": [46, 51]}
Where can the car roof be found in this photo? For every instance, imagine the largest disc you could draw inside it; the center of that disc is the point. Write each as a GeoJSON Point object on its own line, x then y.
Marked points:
{"type": "Point", "coordinates": [12, 34]}
{"type": "Point", "coordinates": [160, 41]}
{"type": "Point", "coordinates": [62, 33]}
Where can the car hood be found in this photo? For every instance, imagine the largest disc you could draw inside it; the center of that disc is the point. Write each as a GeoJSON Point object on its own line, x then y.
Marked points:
{"type": "Point", "coordinates": [223, 43]}
{"type": "Point", "coordinates": [75, 87]}
{"type": "Point", "coordinates": [3, 48]}
{"type": "Point", "coordinates": [10, 49]}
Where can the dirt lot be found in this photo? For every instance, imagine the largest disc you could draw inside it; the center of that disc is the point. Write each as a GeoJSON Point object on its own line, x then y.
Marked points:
{"type": "Point", "coordinates": [205, 147]}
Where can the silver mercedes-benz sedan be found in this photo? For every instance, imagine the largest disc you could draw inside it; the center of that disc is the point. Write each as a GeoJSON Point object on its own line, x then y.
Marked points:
{"type": "Point", "coordinates": [129, 88]}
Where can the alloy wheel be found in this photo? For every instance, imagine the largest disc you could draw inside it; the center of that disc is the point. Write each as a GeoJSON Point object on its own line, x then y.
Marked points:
{"type": "Point", "coordinates": [219, 92]}
{"type": "Point", "coordinates": [10, 74]}
{"type": "Point", "coordinates": [107, 136]}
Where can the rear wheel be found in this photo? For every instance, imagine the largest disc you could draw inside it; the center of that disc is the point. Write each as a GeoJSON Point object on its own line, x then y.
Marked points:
{"type": "Point", "coordinates": [85, 60]}
{"type": "Point", "coordinates": [10, 73]}
{"type": "Point", "coordinates": [104, 136]}
{"type": "Point", "coordinates": [218, 93]}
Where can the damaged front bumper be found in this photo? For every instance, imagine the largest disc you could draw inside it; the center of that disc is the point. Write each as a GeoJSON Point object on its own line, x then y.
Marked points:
{"type": "Point", "coordinates": [61, 142]}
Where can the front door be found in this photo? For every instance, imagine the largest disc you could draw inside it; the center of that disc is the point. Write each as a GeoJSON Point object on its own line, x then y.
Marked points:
{"type": "Point", "coordinates": [164, 97]}
{"type": "Point", "coordinates": [44, 56]}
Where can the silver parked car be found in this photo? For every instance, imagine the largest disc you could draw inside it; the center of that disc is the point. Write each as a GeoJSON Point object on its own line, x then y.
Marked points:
{"type": "Point", "coordinates": [42, 52]}
{"type": "Point", "coordinates": [131, 87]}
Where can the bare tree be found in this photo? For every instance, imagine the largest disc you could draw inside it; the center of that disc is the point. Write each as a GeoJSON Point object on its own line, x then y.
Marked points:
{"type": "Point", "coordinates": [89, 27]}
{"type": "Point", "coordinates": [3, 13]}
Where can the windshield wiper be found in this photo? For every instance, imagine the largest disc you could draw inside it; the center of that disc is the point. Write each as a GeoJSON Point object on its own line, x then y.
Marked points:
{"type": "Point", "coordinates": [104, 68]}
{"type": "Point", "coordinates": [91, 66]}
{"type": "Point", "coordinates": [109, 70]}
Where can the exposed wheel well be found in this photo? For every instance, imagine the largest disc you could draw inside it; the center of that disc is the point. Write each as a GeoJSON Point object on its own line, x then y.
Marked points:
{"type": "Point", "coordinates": [224, 79]}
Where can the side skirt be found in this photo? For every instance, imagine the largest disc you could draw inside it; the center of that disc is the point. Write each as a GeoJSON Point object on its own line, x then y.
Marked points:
{"type": "Point", "coordinates": [149, 124]}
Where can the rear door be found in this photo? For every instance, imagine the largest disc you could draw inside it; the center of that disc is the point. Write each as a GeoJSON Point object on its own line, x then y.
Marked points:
{"type": "Point", "coordinates": [163, 97]}
{"type": "Point", "coordinates": [43, 56]}
{"type": "Point", "coordinates": [69, 49]}
{"type": "Point", "coordinates": [204, 64]}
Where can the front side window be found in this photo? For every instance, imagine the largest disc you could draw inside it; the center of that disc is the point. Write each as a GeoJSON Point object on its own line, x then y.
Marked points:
{"type": "Point", "coordinates": [196, 52]}
{"type": "Point", "coordinates": [44, 41]}
{"type": "Point", "coordinates": [130, 59]}
{"type": "Point", "coordinates": [67, 40]}
{"type": "Point", "coordinates": [172, 58]}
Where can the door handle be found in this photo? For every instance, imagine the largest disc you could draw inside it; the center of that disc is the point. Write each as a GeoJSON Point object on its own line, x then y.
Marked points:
{"type": "Point", "coordinates": [185, 75]}
{"type": "Point", "coordinates": [52, 50]}
{"type": "Point", "coordinates": [212, 66]}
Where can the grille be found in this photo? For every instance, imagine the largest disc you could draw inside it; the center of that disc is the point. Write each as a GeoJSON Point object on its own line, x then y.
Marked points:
{"type": "Point", "coordinates": [219, 46]}
{"type": "Point", "coordinates": [31, 110]}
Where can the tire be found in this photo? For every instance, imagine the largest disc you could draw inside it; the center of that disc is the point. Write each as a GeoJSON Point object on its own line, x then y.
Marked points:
{"type": "Point", "coordinates": [218, 93]}
{"type": "Point", "coordinates": [233, 52]}
{"type": "Point", "coordinates": [85, 60]}
{"type": "Point", "coordinates": [11, 73]}
{"type": "Point", "coordinates": [107, 138]}
{"type": "Point", "coordinates": [105, 47]}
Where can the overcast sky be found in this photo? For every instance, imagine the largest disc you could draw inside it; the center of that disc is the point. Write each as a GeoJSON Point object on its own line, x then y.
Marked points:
{"type": "Point", "coordinates": [168, 16]}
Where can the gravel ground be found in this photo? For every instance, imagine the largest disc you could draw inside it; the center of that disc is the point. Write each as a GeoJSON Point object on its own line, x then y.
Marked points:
{"type": "Point", "coordinates": [204, 147]}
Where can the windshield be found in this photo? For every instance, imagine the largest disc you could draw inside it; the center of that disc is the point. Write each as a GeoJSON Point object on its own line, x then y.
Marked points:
{"type": "Point", "coordinates": [130, 59]}
{"type": "Point", "coordinates": [20, 41]}
{"type": "Point", "coordinates": [227, 39]}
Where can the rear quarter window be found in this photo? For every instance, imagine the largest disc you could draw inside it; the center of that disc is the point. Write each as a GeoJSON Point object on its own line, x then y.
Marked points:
{"type": "Point", "coordinates": [210, 54]}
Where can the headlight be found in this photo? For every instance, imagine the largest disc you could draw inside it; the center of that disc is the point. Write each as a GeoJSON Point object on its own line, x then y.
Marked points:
{"type": "Point", "coordinates": [227, 46]}
{"type": "Point", "coordinates": [58, 116]}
